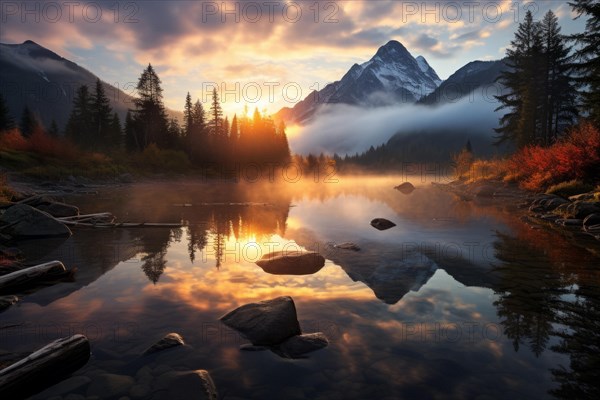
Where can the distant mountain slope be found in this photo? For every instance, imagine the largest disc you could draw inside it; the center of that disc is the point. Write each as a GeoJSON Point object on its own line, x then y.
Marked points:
{"type": "Point", "coordinates": [46, 82]}
{"type": "Point", "coordinates": [466, 80]}
{"type": "Point", "coordinates": [392, 76]}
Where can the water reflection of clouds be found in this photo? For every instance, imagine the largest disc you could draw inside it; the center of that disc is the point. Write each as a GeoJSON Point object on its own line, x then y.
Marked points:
{"type": "Point", "coordinates": [411, 349]}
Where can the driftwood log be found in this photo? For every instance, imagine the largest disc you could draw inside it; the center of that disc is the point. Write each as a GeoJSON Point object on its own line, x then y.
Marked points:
{"type": "Point", "coordinates": [45, 367]}
{"type": "Point", "coordinates": [30, 274]}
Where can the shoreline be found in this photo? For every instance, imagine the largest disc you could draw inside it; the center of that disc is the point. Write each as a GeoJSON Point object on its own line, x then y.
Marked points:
{"type": "Point", "coordinates": [576, 218]}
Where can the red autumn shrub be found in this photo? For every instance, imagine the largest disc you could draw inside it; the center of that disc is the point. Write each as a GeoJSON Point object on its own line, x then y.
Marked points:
{"type": "Point", "coordinates": [41, 143]}
{"type": "Point", "coordinates": [13, 140]}
{"type": "Point", "coordinates": [577, 156]}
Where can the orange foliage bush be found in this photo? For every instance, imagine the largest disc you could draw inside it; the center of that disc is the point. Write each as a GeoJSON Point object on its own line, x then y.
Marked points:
{"type": "Point", "coordinates": [577, 156]}
{"type": "Point", "coordinates": [40, 143]}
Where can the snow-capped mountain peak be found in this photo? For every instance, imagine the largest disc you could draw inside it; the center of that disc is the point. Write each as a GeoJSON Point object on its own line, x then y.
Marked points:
{"type": "Point", "coordinates": [391, 76]}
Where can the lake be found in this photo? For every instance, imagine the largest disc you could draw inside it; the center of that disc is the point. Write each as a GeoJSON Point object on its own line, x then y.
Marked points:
{"type": "Point", "coordinates": [460, 300]}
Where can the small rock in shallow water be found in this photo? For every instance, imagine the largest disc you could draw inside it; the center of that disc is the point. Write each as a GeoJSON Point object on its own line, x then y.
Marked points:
{"type": "Point", "coordinates": [189, 385]}
{"type": "Point", "coordinates": [382, 224]}
{"type": "Point", "coordinates": [405, 188]}
{"type": "Point", "coordinates": [170, 340]}
{"type": "Point", "coordinates": [297, 346]}
{"type": "Point", "coordinates": [7, 301]}
{"type": "Point", "coordinates": [291, 263]}
{"type": "Point", "coordinates": [268, 322]}
{"type": "Point", "coordinates": [347, 246]}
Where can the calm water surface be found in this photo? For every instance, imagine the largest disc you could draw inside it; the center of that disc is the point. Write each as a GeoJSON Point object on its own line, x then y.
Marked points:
{"type": "Point", "coordinates": [459, 300]}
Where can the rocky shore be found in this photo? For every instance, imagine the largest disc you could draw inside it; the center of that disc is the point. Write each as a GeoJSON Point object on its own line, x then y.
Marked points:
{"type": "Point", "coordinates": [576, 217]}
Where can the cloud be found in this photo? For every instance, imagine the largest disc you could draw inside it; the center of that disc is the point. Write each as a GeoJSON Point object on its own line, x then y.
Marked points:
{"type": "Point", "coordinates": [347, 129]}
{"type": "Point", "coordinates": [424, 41]}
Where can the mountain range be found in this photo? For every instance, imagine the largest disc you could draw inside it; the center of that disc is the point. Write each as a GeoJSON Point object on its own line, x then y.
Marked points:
{"type": "Point", "coordinates": [394, 76]}
{"type": "Point", "coordinates": [35, 76]}
{"type": "Point", "coordinates": [391, 76]}
{"type": "Point", "coordinates": [46, 82]}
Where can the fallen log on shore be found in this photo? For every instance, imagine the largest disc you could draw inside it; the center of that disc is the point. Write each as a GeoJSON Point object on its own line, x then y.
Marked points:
{"type": "Point", "coordinates": [45, 367]}
{"type": "Point", "coordinates": [107, 220]}
{"type": "Point", "coordinates": [52, 269]}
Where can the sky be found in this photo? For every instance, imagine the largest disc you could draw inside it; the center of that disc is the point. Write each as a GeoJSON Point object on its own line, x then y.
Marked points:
{"type": "Point", "coordinates": [265, 54]}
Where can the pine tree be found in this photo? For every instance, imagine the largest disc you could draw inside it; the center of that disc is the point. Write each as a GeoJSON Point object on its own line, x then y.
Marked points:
{"type": "Point", "coordinates": [468, 146]}
{"type": "Point", "coordinates": [559, 92]}
{"type": "Point", "coordinates": [216, 114]}
{"type": "Point", "coordinates": [6, 121]}
{"type": "Point", "coordinates": [187, 115]}
{"type": "Point", "coordinates": [131, 140]}
{"type": "Point", "coordinates": [174, 133]}
{"type": "Point", "coordinates": [521, 124]}
{"type": "Point", "coordinates": [53, 130]}
{"type": "Point", "coordinates": [101, 119]}
{"type": "Point", "coordinates": [589, 56]}
{"type": "Point", "coordinates": [234, 135]}
{"type": "Point", "coordinates": [115, 132]}
{"type": "Point", "coordinates": [284, 154]}
{"type": "Point", "coordinates": [150, 116]}
{"type": "Point", "coordinates": [80, 125]}
{"type": "Point", "coordinates": [28, 122]}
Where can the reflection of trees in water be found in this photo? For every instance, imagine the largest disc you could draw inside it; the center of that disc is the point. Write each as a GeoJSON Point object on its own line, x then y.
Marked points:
{"type": "Point", "coordinates": [196, 237]}
{"type": "Point", "coordinates": [246, 222]}
{"type": "Point", "coordinates": [242, 222]}
{"type": "Point", "coordinates": [580, 340]}
{"type": "Point", "coordinates": [528, 290]}
{"type": "Point", "coordinates": [155, 243]}
{"type": "Point", "coordinates": [532, 305]}
{"type": "Point", "coordinates": [154, 265]}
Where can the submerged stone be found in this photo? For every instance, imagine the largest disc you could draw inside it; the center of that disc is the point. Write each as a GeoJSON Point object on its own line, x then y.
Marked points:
{"type": "Point", "coordinates": [168, 341]}
{"type": "Point", "coordinates": [268, 322]}
{"type": "Point", "coordinates": [297, 346]}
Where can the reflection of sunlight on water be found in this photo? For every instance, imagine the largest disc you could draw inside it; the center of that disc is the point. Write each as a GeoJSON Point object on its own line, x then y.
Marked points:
{"type": "Point", "coordinates": [183, 279]}
{"type": "Point", "coordinates": [239, 280]}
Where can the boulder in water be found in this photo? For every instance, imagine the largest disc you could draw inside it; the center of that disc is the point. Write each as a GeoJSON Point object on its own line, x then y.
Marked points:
{"type": "Point", "coordinates": [297, 346]}
{"type": "Point", "coordinates": [266, 323]}
{"type": "Point", "coordinates": [168, 341]}
{"type": "Point", "coordinates": [405, 188]}
{"type": "Point", "coordinates": [23, 221]}
{"type": "Point", "coordinates": [291, 263]}
{"type": "Point", "coordinates": [382, 224]}
{"type": "Point", "coordinates": [347, 246]}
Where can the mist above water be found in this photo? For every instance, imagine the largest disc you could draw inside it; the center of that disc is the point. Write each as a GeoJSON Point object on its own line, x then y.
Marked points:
{"type": "Point", "coordinates": [347, 129]}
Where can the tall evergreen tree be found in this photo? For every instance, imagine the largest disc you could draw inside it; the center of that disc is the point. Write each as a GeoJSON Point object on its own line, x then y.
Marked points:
{"type": "Point", "coordinates": [216, 114]}
{"type": "Point", "coordinates": [101, 119]}
{"type": "Point", "coordinates": [131, 139]}
{"type": "Point", "coordinates": [188, 116]}
{"type": "Point", "coordinates": [589, 56]}
{"type": "Point", "coordinates": [80, 125]}
{"type": "Point", "coordinates": [6, 121]}
{"type": "Point", "coordinates": [521, 124]}
{"type": "Point", "coordinates": [559, 93]}
{"type": "Point", "coordinates": [28, 122]}
{"type": "Point", "coordinates": [53, 130]}
{"type": "Point", "coordinates": [149, 114]}
{"type": "Point", "coordinates": [174, 134]}
{"type": "Point", "coordinates": [197, 138]}
{"type": "Point", "coordinates": [115, 132]}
